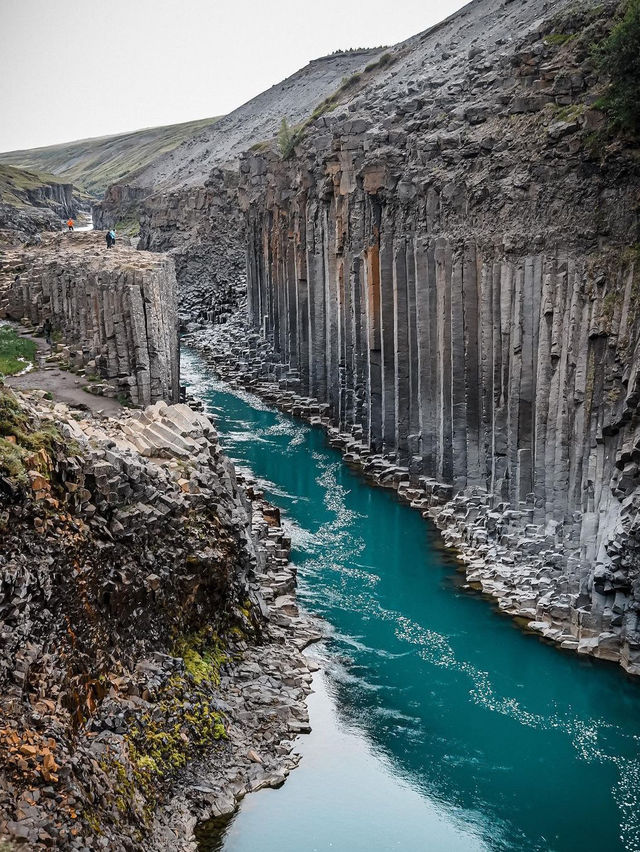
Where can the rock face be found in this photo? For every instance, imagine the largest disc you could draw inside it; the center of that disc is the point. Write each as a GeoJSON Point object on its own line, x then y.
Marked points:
{"type": "Point", "coordinates": [449, 265]}
{"type": "Point", "coordinates": [116, 307]}
{"type": "Point", "coordinates": [135, 582]}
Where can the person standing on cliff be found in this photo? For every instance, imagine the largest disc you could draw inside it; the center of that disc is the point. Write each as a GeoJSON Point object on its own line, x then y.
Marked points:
{"type": "Point", "coordinates": [70, 224]}
{"type": "Point", "coordinates": [108, 239]}
{"type": "Point", "coordinates": [112, 234]}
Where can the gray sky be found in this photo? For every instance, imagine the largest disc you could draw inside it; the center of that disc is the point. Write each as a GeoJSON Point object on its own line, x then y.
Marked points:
{"type": "Point", "coordinates": [81, 68]}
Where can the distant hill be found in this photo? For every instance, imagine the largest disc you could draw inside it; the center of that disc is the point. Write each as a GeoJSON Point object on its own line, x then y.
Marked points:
{"type": "Point", "coordinates": [92, 164]}
{"type": "Point", "coordinates": [21, 187]}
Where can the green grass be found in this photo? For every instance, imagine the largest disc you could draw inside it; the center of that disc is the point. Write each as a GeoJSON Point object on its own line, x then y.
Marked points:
{"type": "Point", "coordinates": [128, 228]}
{"type": "Point", "coordinates": [559, 38]}
{"type": "Point", "coordinates": [14, 351]}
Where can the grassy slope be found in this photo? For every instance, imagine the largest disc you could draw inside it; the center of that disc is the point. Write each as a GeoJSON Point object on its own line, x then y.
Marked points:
{"type": "Point", "coordinates": [93, 164]}
{"type": "Point", "coordinates": [15, 351]}
{"type": "Point", "coordinates": [14, 182]}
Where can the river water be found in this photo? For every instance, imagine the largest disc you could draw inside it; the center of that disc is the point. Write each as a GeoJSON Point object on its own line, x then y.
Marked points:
{"type": "Point", "coordinates": [437, 724]}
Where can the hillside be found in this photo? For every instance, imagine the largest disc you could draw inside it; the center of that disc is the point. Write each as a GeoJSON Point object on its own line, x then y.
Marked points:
{"type": "Point", "coordinates": [31, 201]}
{"type": "Point", "coordinates": [295, 98]}
{"type": "Point", "coordinates": [93, 164]}
{"type": "Point", "coordinates": [449, 263]}
{"type": "Point", "coordinates": [469, 190]}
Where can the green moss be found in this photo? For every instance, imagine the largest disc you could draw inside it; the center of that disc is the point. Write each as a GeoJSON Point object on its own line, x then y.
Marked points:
{"type": "Point", "coordinates": [559, 38]}
{"type": "Point", "coordinates": [203, 655]}
{"type": "Point", "coordinates": [11, 462]}
{"type": "Point", "coordinates": [20, 445]}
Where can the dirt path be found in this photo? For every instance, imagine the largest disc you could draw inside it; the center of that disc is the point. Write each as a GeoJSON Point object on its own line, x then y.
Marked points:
{"type": "Point", "coordinates": [63, 386]}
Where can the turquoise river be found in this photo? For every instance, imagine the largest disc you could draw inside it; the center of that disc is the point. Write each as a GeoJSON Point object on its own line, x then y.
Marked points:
{"type": "Point", "coordinates": [437, 724]}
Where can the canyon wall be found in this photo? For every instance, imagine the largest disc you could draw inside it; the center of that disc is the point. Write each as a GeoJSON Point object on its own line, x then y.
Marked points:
{"type": "Point", "coordinates": [134, 578]}
{"type": "Point", "coordinates": [115, 308]}
{"type": "Point", "coordinates": [451, 263]}
{"type": "Point", "coordinates": [203, 230]}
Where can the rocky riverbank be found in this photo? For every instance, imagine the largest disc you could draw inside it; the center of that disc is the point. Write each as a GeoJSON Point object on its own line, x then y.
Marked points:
{"type": "Point", "coordinates": [507, 552]}
{"type": "Point", "coordinates": [151, 671]}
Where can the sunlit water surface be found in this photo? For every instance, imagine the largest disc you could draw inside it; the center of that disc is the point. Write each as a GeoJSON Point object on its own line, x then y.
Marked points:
{"type": "Point", "coordinates": [437, 724]}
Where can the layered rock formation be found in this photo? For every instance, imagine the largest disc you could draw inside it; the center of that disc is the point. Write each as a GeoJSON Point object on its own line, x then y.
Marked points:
{"type": "Point", "coordinates": [117, 308]}
{"type": "Point", "coordinates": [451, 265]}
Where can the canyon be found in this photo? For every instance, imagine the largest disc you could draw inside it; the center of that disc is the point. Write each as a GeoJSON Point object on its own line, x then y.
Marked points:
{"type": "Point", "coordinates": [446, 262]}
{"type": "Point", "coordinates": [429, 251]}
{"type": "Point", "coordinates": [32, 201]}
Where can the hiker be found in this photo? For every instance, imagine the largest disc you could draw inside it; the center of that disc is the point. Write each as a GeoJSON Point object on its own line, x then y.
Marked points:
{"type": "Point", "coordinates": [70, 224]}
{"type": "Point", "coordinates": [108, 239]}
{"type": "Point", "coordinates": [46, 330]}
{"type": "Point", "coordinates": [112, 234]}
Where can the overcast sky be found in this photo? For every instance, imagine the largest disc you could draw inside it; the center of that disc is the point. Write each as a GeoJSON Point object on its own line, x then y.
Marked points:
{"type": "Point", "coordinates": [80, 68]}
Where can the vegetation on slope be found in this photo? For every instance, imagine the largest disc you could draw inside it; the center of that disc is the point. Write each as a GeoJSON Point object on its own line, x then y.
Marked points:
{"type": "Point", "coordinates": [619, 57]}
{"type": "Point", "coordinates": [15, 183]}
{"type": "Point", "coordinates": [289, 137]}
{"type": "Point", "coordinates": [94, 164]}
{"type": "Point", "coordinates": [23, 448]}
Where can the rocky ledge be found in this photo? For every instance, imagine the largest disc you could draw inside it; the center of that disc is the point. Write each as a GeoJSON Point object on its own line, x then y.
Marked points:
{"type": "Point", "coordinates": [115, 308]}
{"type": "Point", "coordinates": [150, 671]}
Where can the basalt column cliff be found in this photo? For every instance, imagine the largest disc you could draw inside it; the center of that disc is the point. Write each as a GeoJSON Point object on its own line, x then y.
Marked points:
{"type": "Point", "coordinates": [450, 261]}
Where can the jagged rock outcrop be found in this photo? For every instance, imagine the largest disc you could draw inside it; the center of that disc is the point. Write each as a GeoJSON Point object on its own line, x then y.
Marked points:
{"type": "Point", "coordinates": [135, 595]}
{"type": "Point", "coordinates": [452, 266]}
{"type": "Point", "coordinates": [117, 309]}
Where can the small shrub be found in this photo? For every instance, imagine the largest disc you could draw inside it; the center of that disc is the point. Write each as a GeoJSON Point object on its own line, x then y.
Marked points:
{"type": "Point", "coordinates": [287, 139]}
{"type": "Point", "coordinates": [385, 59]}
{"type": "Point", "coordinates": [619, 57]}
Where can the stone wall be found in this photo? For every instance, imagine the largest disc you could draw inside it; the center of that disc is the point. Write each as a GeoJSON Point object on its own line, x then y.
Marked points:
{"type": "Point", "coordinates": [116, 307]}
{"type": "Point", "coordinates": [451, 264]}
